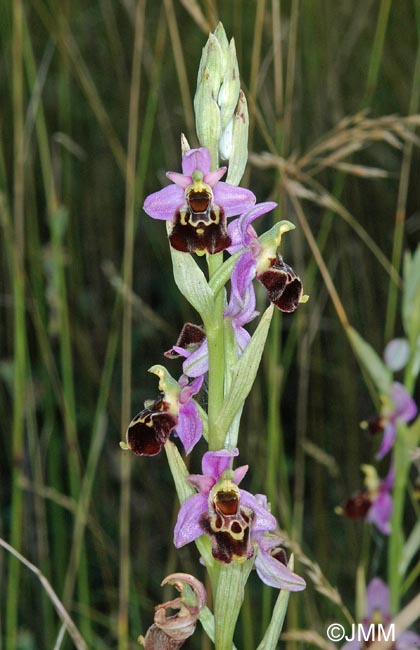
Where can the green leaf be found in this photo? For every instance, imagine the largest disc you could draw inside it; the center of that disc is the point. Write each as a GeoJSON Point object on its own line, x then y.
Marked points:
{"type": "Point", "coordinates": [411, 297]}
{"type": "Point", "coordinates": [179, 472]}
{"type": "Point", "coordinates": [373, 364]}
{"type": "Point", "coordinates": [223, 273]}
{"type": "Point", "coordinates": [243, 374]}
{"type": "Point", "coordinates": [411, 548]}
{"type": "Point", "coordinates": [192, 283]}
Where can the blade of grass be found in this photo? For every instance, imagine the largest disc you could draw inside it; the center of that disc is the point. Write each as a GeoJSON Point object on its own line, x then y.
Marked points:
{"type": "Point", "coordinates": [68, 45]}
{"type": "Point", "coordinates": [400, 215]}
{"type": "Point", "coordinates": [377, 50]}
{"type": "Point", "coordinates": [130, 204]}
{"type": "Point", "coordinates": [67, 621]}
{"type": "Point", "coordinates": [19, 326]}
{"type": "Point", "coordinates": [180, 68]}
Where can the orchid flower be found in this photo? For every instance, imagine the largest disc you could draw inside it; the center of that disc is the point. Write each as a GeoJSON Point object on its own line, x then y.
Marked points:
{"type": "Point", "coordinates": [262, 259]}
{"type": "Point", "coordinates": [373, 504]}
{"type": "Point", "coordinates": [378, 613]}
{"type": "Point", "coordinates": [174, 410]}
{"type": "Point", "coordinates": [198, 204]}
{"type": "Point", "coordinates": [398, 406]}
{"type": "Point", "coordinates": [235, 520]}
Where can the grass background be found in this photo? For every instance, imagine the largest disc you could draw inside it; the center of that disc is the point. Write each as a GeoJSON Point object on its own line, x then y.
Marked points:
{"type": "Point", "coordinates": [93, 99]}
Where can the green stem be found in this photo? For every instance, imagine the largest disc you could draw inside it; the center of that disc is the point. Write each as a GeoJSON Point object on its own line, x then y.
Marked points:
{"type": "Point", "coordinates": [229, 598]}
{"type": "Point", "coordinates": [215, 340]}
{"type": "Point", "coordinates": [396, 542]}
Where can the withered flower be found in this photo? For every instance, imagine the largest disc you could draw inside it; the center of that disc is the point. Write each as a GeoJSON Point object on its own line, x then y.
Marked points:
{"type": "Point", "coordinates": [170, 632]}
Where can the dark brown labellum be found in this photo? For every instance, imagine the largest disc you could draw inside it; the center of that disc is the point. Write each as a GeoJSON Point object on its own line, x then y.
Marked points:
{"type": "Point", "coordinates": [357, 506]}
{"type": "Point", "coordinates": [375, 425]}
{"type": "Point", "coordinates": [190, 338]}
{"type": "Point", "coordinates": [228, 523]}
{"type": "Point", "coordinates": [279, 554]}
{"type": "Point", "coordinates": [283, 284]}
{"type": "Point", "coordinates": [150, 429]}
{"type": "Point", "coordinates": [200, 227]}
{"type": "Point", "coordinates": [229, 533]}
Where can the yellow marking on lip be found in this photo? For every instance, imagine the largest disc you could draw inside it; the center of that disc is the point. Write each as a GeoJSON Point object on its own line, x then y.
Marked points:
{"type": "Point", "coordinates": [200, 231]}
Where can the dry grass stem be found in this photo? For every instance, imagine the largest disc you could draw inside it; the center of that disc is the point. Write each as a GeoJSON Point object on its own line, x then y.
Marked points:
{"type": "Point", "coordinates": [64, 616]}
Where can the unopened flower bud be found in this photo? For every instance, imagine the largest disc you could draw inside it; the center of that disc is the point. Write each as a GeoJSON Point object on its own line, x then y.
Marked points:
{"type": "Point", "coordinates": [207, 117]}
{"type": "Point", "coordinates": [220, 106]}
{"type": "Point", "coordinates": [229, 91]}
{"type": "Point", "coordinates": [239, 144]}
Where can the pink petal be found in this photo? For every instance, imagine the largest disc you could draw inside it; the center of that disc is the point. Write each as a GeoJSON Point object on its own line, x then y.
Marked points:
{"type": "Point", "coordinates": [242, 339]}
{"type": "Point", "coordinates": [380, 513]}
{"type": "Point", "coordinates": [247, 313]}
{"type": "Point", "coordinates": [187, 528]}
{"type": "Point", "coordinates": [196, 159]}
{"type": "Point", "coordinates": [243, 274]}
{"type": "Point", "coordinates": [234, 200]}
{"type": "Point", "coordinates": [190, 389]}
{"type": "Point", "coordinates": [377, 598]}
{"type": "Point", "coordinates": [352, 645]}
{"type": "Point", "coordinates": [264, 520]}
{"type": "Point", "coordinates": [239, 473]}
{"type": "Point", "coordinates": [181, 180]}
{"type": "Point", "coordinates": [405, 406]}
{"type": "Point", "coordinates": [388, 482]}
{"type": "Point", "coordinates": [275, 574]}
{"type": "Point", "coordinates": [197, 363]}
{"type": "Point", "coordinates": [190, 426]}
{"type": "Point", "coordinates": [214, 177]}
{"type": "Point", "coordinates": [241, 231]}
{"type": "Point", "coordinates": [388, 440]}
{"type": "Point", "coordinates": [163, 204]}
{"type": "Point", "coordinates": [202, 483]}
{"type": "Point", "coordinates": [250, 216]}
{"type": "Point", "coordinates": [407, 641]}
{"type": "Point", "coordinates": [181, 351]}
{"type": "Point", "coordinates": [235, 233]}
{"type": "Point", "coordinates": [214, 463]}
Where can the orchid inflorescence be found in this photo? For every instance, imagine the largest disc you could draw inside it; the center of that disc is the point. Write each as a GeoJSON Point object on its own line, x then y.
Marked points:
{"type": "Point", "coordinates": [234, 529]}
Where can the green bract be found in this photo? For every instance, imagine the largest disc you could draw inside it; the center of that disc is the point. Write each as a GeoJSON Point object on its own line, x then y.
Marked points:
{"type": "Point", "coordinates": [243, 374]}
{"type": "Point", "coordinates": [191, 282]}
{"type": "Point", "coordinates": [373, 364]}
